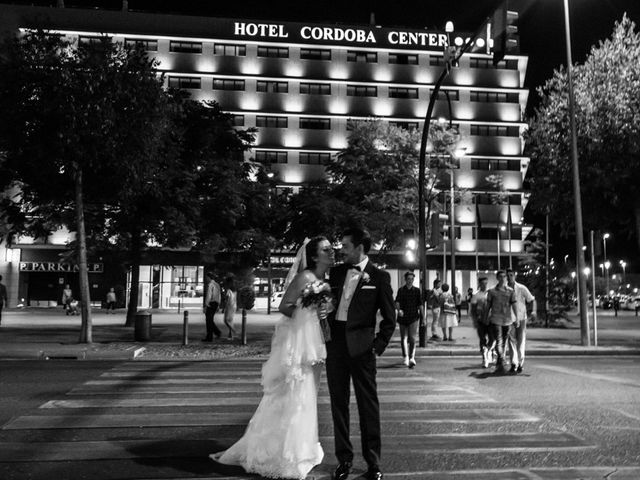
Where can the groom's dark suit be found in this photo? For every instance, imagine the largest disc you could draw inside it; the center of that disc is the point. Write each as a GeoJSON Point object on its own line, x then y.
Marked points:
{"type": "Point", "coordinates": [351, 355]}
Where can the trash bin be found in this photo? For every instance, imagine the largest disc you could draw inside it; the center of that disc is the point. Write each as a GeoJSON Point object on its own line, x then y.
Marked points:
{"type": "Point", "coordinates": [142, 329]}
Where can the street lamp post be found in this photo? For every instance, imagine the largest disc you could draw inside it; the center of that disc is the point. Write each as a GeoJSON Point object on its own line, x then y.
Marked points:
{"type": "Point", "coordinates": [623, 264]}
{"type": "Point", "coordinates": [270, 175]}
{"type": "Point", "coordinates": [577, 199]}
{"type": "Point", "coordinates": [607, 265]}
{"type": "Point", "coordinates": [501, 228]}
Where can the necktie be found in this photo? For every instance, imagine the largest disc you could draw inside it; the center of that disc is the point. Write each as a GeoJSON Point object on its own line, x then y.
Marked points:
{"type": "Point", "coordinates": [355, 267]}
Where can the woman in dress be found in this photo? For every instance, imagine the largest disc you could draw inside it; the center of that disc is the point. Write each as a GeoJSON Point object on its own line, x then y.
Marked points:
{"type": "Point", "coordinates": [448, 318]}
{"type": "Point", "coordinates": [230, 306]}
{"type": "Point", "coordinates": [281, 440]}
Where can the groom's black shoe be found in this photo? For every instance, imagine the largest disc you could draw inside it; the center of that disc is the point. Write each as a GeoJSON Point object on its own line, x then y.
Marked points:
{"type": "Point", "coordinates": [342, 471]}
{"type": "Point", "coordinates": [373, 473]}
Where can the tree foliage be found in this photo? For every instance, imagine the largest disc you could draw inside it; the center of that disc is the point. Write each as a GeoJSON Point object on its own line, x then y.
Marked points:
{"type": "Point", "coordinates": [373, 182]}
{"type": "Point", "coordinates": [607, 94]}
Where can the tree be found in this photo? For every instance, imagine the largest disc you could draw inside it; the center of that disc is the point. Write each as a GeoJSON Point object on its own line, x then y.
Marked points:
{"type": "Point", "coordinates": [76, 121]}
{"type": "Point", "coordinates": [372, 182]}
{"type": "Point", "coordinates": [607, 92]}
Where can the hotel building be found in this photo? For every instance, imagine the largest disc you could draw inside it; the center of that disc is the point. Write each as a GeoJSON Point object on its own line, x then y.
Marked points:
{"type": "Point", "coordinates": [300, 84]}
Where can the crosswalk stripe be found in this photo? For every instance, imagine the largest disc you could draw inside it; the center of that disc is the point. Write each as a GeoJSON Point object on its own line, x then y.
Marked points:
{"type": "Point", "coordinates": [156, 448]}
{"type": "Point", "coordinates": [214, 402]}
{"type": "Point", "coordinates": [479, 416]}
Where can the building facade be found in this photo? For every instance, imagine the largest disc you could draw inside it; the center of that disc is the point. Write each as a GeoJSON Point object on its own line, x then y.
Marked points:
{"type": "Point", "coordinates": [300, 84]}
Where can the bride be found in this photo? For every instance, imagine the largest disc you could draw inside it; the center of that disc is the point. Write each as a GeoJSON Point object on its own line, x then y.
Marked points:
{"type": "Point", "coordinates": [281, 440]}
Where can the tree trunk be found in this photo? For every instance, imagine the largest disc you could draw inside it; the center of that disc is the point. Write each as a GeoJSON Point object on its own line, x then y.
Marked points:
{"type": "Point", "coordinates": [136, 253]}
{"type": "Point", "coordinates": [86, 335]}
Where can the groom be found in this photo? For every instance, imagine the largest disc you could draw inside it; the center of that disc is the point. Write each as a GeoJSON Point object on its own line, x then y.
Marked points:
{"type": "Point", "coordinates": [360, 290]}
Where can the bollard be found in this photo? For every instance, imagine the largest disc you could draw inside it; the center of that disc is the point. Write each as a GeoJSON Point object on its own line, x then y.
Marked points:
{"type": "Point", "coordinates": [185, 328]}
{"type": "Point", "coordinates": [243, 333]}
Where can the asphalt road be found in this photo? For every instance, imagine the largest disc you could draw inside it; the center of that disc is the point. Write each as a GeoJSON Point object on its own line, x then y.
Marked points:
{"type": "Point", "coordinates": [563, 418]}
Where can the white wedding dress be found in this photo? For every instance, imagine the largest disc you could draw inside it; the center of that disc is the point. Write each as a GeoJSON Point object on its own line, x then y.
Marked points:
{"type": "Point", "coordinates": [281, 440]}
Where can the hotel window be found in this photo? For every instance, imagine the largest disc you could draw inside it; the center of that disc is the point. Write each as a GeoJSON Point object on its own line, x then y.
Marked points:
{"type": "Point", "coordinates": [92, 41]}
{"type": "Point", "coordinates": [273, 52]}
{"type": "Point", "coordinates": [406, 125]}
{"type": "Point", "coordinates": [403, 92]}
{"type": "Point", "coordinates": [315, 54]}
{"type": "Point", "coordinates": [494, 97]}
{"type": "Point", "coordinates": [360, 91]}
{"type": "Point", "coordinates": [219, 84]}
{"type": "Point", "coordinates": [230, 50]}
{"type": "Point", "coordinates": [272, 87]}
{"type": "Point", "coordinates": [507, 64]}
{"type": "Point", "coordinates": [147, 45]}
{"type": "Point", "coordinates": [362, 57]}
{"type": "Point", "coordinates": [185, 82]}
{"type": "Point", "coordinates": [495, 131]}
{"type": "Point", "coordinates": [185, 47]}
{"type": "Point", "coordinates": [454, 95]}
{"type": "Point", "coordinates": [494, 164]}
{"type": "Point", "coordinates": [268, 157]}
{"type": "Point", "coordinates": [403, 59]}
{"type": "Point", "coordinates": [271, 122]}
{"type": "Point", "coordinates": [315, 123]}
{"type": "Point", "coordinates": [314, 158]}
{"type": "Point", "coordinates": [315, 88]}
{"type": "Point", "coordinates": [237, 120]}
{"type": "Point", "coordinates": [436, 61]}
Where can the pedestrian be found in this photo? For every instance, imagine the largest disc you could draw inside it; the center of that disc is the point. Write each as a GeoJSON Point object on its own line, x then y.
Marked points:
{"type": "Point", "coordinates": [211, 303]}
{"type": "Point", "coordinates": [230, 305]}
{"type": "Point", "coordinates": [4, 301]}
{"type": "Point", "coordinates": [111, 300]}
{"type": "Point", "coordinates": [67, 298]}
{"type": "Point", "coordinates": [524, 298]}
{"type": "Point", "coordinates": [637, 303]}
{"type": "Point", "coordinates": [434, 305]}
{"type": "Point", "coordinates": [478, 310]}
{"type": "Point", "coordinates": [469, 298]}
{"type": "Point", "coordinates": [448, 318]}
{"type": "Point", "coordinates": [616, 305]}
{"type": "Point", "coordinates": [457, 296]}
{"type": "Point", "coordinates": [409, 307]}
{"type": "Point", "coordinates": [501, 310]}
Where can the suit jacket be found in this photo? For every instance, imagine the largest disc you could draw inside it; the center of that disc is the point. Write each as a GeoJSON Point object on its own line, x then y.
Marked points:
{"type": "Point", "coordinates": [368, 298]}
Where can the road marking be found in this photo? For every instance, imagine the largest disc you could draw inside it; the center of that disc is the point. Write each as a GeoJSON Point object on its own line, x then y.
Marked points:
{"type": "Point", "coordinates": [592, 376]}
{"type": "Point", "coordinates": [467, 416]}
{"type": "Point", "coordinates": [469, 443]}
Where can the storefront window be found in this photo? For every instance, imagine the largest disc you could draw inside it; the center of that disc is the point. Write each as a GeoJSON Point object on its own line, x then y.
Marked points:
{"type": "Point", "coordinates": [163, 286]}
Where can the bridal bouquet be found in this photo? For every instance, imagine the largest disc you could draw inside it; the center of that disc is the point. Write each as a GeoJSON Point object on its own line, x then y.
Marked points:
{"type": "Point", "coordinates": [318, 294]}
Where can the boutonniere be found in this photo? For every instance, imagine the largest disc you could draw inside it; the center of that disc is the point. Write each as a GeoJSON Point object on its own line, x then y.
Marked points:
{"type": "Point", "coordinates": [365, 277]}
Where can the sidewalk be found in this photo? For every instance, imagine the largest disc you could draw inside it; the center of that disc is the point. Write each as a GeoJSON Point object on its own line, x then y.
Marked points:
{"type": "Point", "coordinates": [49, 334]}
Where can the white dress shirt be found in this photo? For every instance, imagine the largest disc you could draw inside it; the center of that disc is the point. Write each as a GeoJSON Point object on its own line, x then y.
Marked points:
{"type": "Point", "coordinates": [350, 283]}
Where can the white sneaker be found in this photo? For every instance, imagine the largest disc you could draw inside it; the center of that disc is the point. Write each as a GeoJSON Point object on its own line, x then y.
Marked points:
{"type": "Point", "coordinates": [412, 363]}
{"type": "Point", "coordinates": [406, 361]}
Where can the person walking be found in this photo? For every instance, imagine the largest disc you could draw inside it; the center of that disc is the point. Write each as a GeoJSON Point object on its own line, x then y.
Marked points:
{"type": "Point", "coordinates": [4, 301]}
{"type": "Point", "coordinates": [524, 298]}
{"type": "Point", "coordinates": [478, 308]}
{"type": "Point", "coordinates": [448, 319]}
{"type": "Point", "coordinates": [361, 290]}
{"type": "Point", "coordinates": [434, 305]}
{"type": "Point", "coordinates": [616, 305]}
{"type": "Point", "coordinates": [67, 298]}
{"type": "Point", "coordinates": [468, 298]}
{"type": "Point", "coordinates": [212, 300]}
{"type": "Point", "coordinates": [111, 300]}
{"type": "Point", "coordinates": [230, 306]}
{"type": "Point", "coordinates": [409, 307]}
{"type": "Point", "coordinates": [501, 310]}
{"type": "Point", "coordinates": [457, 296]}
{"type": "Point", "coordinates": [637, 303]}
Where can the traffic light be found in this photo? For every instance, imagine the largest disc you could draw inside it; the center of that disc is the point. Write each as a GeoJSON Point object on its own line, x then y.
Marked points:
{"type": "Point", "coordinates": [411, 246]}
{"type": "Point", "coordinates": [504, 32]}
{"type": "Point", "coordinates": [437, 229]}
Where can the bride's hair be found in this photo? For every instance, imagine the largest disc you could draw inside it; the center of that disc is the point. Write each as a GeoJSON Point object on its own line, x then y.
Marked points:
{"type": "Point", "coordinates": [311, 251]}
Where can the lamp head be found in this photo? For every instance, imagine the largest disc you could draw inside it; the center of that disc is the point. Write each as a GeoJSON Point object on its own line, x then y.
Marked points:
{"type": "Point", "coordinates": [448, 27]}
